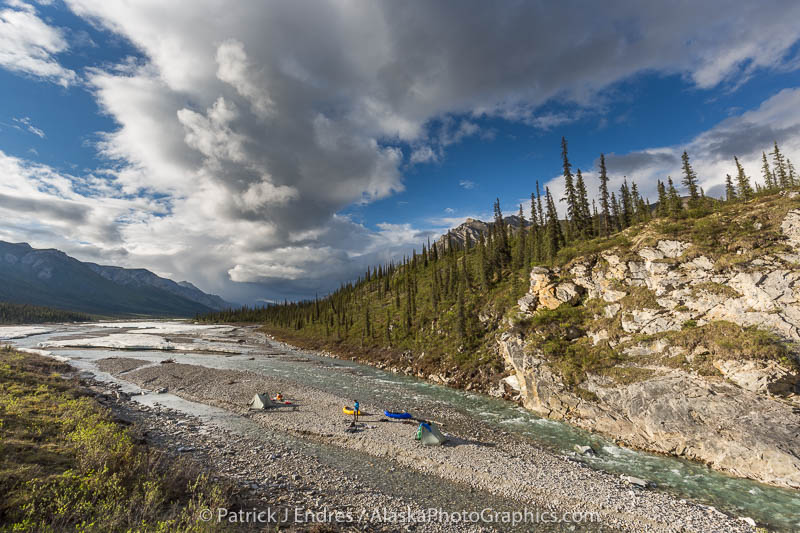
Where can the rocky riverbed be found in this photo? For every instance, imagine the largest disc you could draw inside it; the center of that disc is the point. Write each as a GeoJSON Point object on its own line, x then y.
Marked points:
{"type": "Point", "coordinates": [488, 468]}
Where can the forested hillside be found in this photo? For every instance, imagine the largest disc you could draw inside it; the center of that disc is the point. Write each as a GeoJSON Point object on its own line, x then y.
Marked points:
{"type": "Point", "coordinates": [440, 309]}
{"type": "Point", "coordinates": [11, 313]}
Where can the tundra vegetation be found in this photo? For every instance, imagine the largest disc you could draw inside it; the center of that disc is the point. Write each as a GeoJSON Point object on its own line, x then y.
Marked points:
{"type": "Point", "coordinates": [65, 464]}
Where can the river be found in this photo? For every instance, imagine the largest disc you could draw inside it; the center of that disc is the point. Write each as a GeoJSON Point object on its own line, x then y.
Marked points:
{"type": "Point", "coordinates": [778, 508]}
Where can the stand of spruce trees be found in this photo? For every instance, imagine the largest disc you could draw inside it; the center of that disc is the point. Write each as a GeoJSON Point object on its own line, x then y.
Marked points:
{"type": "Point", "coordinates": [429, 301]}
{"type": "Point", "coordinates": [11, 313]}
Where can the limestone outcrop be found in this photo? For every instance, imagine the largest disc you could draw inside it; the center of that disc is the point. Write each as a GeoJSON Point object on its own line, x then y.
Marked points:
{"type": "Point", "coordinates": [710, 400]}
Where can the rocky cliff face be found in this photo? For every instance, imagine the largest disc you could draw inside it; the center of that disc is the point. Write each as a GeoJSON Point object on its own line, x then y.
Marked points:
{"type": "Point", "coordinates": [704, 350]}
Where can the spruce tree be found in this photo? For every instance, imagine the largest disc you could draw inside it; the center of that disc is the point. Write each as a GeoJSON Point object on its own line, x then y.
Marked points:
{"type": "Point", "coordinates": [641, 208]}
{"type": "Point", "coordinates": [690, 180]}
{"type": "Point", "coordinates": [626, 214]}
{"type": "Point", "coordinates": [766, 173]}
{"type": "Point", "coordinates": [781, 175]}
{"type": "Point", "coordinates": [597, 223]}
{"type": "Point", "coordinates": [745, 191]}
{"type": "Point", "coordinates": [615, 214]}
{"type": "Point", "coordinates": [540, 234]}
{"type": "Point", "coordinates": [502, 249]}
{"type": "Point", "coordinates": [638, 203]}
{"type": "Point", "coordinates": [663, 207]}
{"type": "Point", "coordinates": [584, 215]}
{"type": "Point", "coordinates": [461, 323]}
{"type": "Point", "coordinates": [555, 237]}
{"type": "Point", "coordinates": [604, 206]}
{"type": "Point", "coordinates": [675, 202]}
{"type": "Point", "coordinates": [730, 190]}
{"type": "Point", "coordinates": [533, 234]}
{"type": "Point", "coordinates": [571, 196]}
{"type": "Point", "coordinates": [388, 327]}
{"type": "Point", "coordinates": [465, 270]}
{"type": "Point", "coordinates": [519, 256]}
{"type": "Point", "coordinates": [482, 266]}
{"type": "Point", "coordinates": [792, 173]}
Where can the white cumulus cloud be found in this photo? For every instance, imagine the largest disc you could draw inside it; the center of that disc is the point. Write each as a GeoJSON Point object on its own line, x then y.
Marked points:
{"type": "Point", "coordinates": [29, 45]}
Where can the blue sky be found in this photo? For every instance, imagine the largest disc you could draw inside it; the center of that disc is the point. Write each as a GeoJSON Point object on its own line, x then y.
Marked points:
{"type": "Point", "coordinates": [650, 110]}
{"type": "Point", "coordinates": [271, 151]}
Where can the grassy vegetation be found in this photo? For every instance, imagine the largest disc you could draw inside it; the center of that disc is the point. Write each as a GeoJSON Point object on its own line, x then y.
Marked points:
{"type": "Point", "coordinates": [715, 288]}
{"type": "Point", "coordinates": [735, 234]}
{"type": "Point", "coordinates": [591, 247]}
{"type": "Point", "coordinates": [702, 345]}
{"type": "Point", "coordinates": [572, 359]}
{"type": "Point", "coordinates": [66, 465]}
{"type": "Point", "coordinates": [11, 313]}
{"type": "Point", "coordinates": [639, 297]}
{"type": "Point", "coordinates": [625, 375]}
{"type": "Point", "coordinates": [726, 340]}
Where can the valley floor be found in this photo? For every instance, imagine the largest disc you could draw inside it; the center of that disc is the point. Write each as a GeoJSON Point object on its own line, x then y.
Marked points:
{"type": "Point", "coordinates": [301, 466]}
{"type": "Point", "coordinates": [477, 469]}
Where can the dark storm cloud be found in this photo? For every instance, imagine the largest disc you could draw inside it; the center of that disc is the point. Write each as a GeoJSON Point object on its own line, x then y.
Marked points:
{"type": "Point", "coordinates": [261, 121]}
{"type": "Point", "coordinates": [745, 139]}
{"type": "Point", "coordinates": [630, 164]}
{"type": "Point", "coordinates": [63, 210]}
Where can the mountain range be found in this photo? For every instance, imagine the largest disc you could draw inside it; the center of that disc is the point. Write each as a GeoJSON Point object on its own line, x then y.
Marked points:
{"type": "Point", "coordinates": [51, 278]}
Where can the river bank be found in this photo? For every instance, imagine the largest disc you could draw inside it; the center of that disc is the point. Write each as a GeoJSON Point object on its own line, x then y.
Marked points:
{"type": "Point", "coordinates": [293, 489]}
{"type": "Point", "coordinates": [490, 462]}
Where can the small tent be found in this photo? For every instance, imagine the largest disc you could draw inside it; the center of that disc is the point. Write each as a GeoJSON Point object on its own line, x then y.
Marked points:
{"type": "Point", "coordinates": [429, 435]}
{"type": "Point", "coordinates": [260, 401]}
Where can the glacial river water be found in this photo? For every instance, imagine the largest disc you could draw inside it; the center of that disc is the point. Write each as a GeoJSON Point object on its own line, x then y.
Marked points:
{"type": "Point", "coordinates": [778, 508]}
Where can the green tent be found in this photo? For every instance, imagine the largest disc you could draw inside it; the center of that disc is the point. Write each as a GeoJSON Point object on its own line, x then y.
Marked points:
{"type": "Point", "coordinates": [260, 401]}
{"type": "Point", "coordinates": [429, 435]}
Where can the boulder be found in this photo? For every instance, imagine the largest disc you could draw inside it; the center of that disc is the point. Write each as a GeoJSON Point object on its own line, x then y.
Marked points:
{"type": "Point", "coordinates": [672, 249]}
{"type": "Point", "coordinates": [757, 376]}
{"type": "Point", "coordinates": [545, 292]}
{"type": "Point", "coordinates": [568, 293]}
{"type": "Point", "coordinates": [611, 296]}
{"type": "Point", "coordinates": [747, 520]}
{"type": "Point", "coordinates": [511, 382]}
{"type": "Point", "coordinates": [540, 278]}
{"type": "Point", "coordinates": [528, 303]}
{"type": "Point", "coordinates": [636, 481]}
{"type": "Point", "coordinates": [584, 450]}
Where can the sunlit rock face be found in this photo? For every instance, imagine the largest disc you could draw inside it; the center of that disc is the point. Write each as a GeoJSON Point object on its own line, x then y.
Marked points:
{"type": "Point", "coordinates": [739, 415]}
